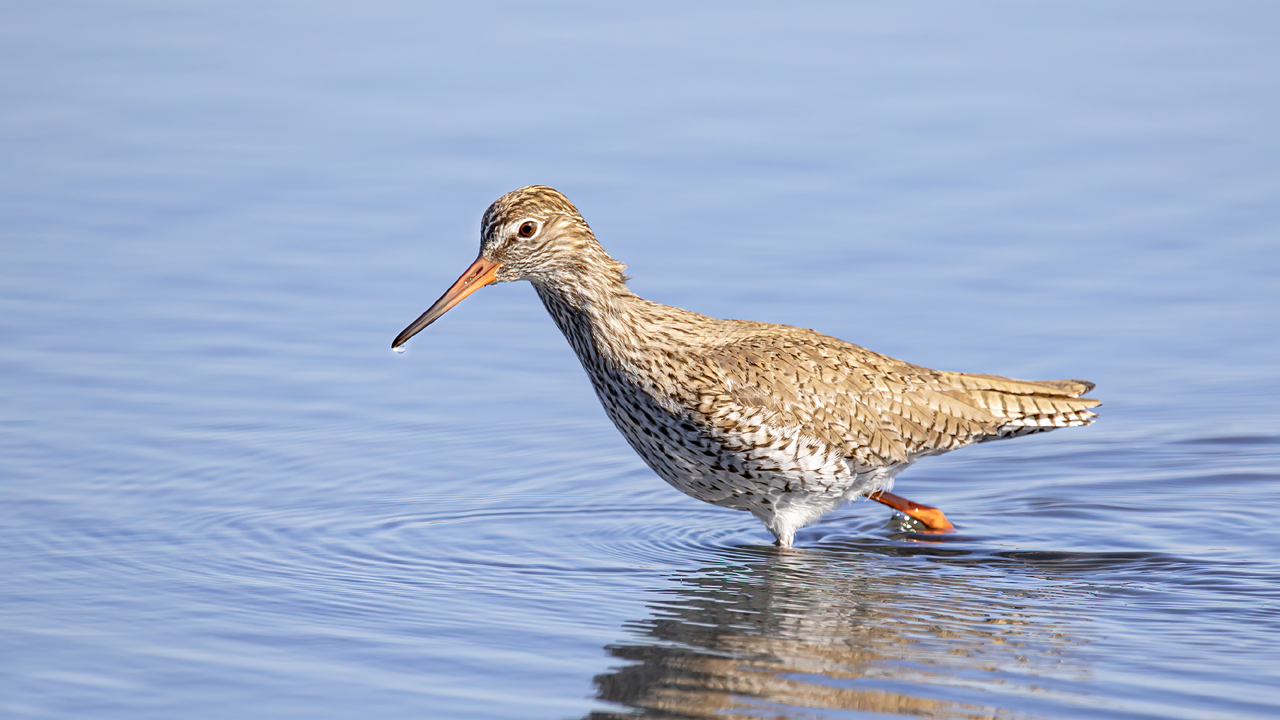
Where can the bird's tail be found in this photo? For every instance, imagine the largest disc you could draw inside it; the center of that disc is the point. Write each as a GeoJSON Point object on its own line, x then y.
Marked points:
{"type": "Point", "coordinates": [1027, 406]}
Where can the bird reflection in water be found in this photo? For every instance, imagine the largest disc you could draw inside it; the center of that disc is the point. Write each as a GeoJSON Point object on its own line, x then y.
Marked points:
{"type": "Point", "coordinates": [773, 633]}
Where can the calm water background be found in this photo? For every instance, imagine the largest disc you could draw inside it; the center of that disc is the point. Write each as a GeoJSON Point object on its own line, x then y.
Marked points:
{"type": "Point", "coordinates": [223, 496]}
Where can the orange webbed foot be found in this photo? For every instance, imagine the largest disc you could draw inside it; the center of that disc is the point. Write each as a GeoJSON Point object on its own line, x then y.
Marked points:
{"type": "Point", "coordinates": [931, 517]}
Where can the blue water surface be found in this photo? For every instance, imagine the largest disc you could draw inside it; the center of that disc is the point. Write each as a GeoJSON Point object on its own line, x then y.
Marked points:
{"type": "Point", "coordinates": [222, 495]}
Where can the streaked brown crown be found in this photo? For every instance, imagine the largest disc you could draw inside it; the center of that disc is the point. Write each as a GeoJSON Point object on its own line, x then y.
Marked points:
{"type": "Point", "coordinates": [562, 252]}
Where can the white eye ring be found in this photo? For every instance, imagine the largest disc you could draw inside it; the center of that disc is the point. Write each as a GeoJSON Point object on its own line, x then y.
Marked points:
{"type": "Point", "coordinates": [527, 229]}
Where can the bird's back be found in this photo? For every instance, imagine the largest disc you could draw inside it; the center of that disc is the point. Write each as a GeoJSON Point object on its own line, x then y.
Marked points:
{"type": "Point", "coordinates": [878, 411]}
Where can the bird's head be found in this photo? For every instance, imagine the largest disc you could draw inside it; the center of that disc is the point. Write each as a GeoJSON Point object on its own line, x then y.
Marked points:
{"type": "Point", "coordinates": [534, 234]}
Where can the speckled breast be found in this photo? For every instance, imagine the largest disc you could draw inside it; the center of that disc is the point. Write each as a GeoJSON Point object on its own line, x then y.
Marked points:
{"type": "Point", "coordinates": [732, 470]}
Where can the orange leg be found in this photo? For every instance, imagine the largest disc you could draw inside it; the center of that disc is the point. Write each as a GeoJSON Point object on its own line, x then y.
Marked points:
{"type": "Point", "coordinates": [932, 517]}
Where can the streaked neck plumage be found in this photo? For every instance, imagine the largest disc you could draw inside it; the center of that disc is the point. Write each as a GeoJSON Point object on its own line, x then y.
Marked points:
{"type": "Point", "coordinates": [613, 331]}
{"type": "Point", "coordinates": [591, 304]}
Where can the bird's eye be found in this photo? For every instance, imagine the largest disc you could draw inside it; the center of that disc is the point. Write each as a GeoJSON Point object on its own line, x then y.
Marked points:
{"type": "Point", "coordinates": [528, 228]}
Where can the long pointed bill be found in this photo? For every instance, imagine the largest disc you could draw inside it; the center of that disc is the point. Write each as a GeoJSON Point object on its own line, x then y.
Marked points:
{"type": "Point", "coordinates": [480, 273]}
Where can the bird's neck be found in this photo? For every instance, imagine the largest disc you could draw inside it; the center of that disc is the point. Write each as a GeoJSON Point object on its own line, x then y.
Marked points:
{"type": "Point", "coordinates": [595, 313]}
{"type": "Point", "coordinates": [619, 337]}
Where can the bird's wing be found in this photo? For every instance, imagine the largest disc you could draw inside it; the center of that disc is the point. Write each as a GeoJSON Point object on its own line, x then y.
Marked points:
{"type": "Point", "coordinates": [873, 409]}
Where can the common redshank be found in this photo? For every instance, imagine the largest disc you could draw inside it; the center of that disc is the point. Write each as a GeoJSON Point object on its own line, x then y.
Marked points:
{"type": "Point", "coordinates": [783, 422]}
